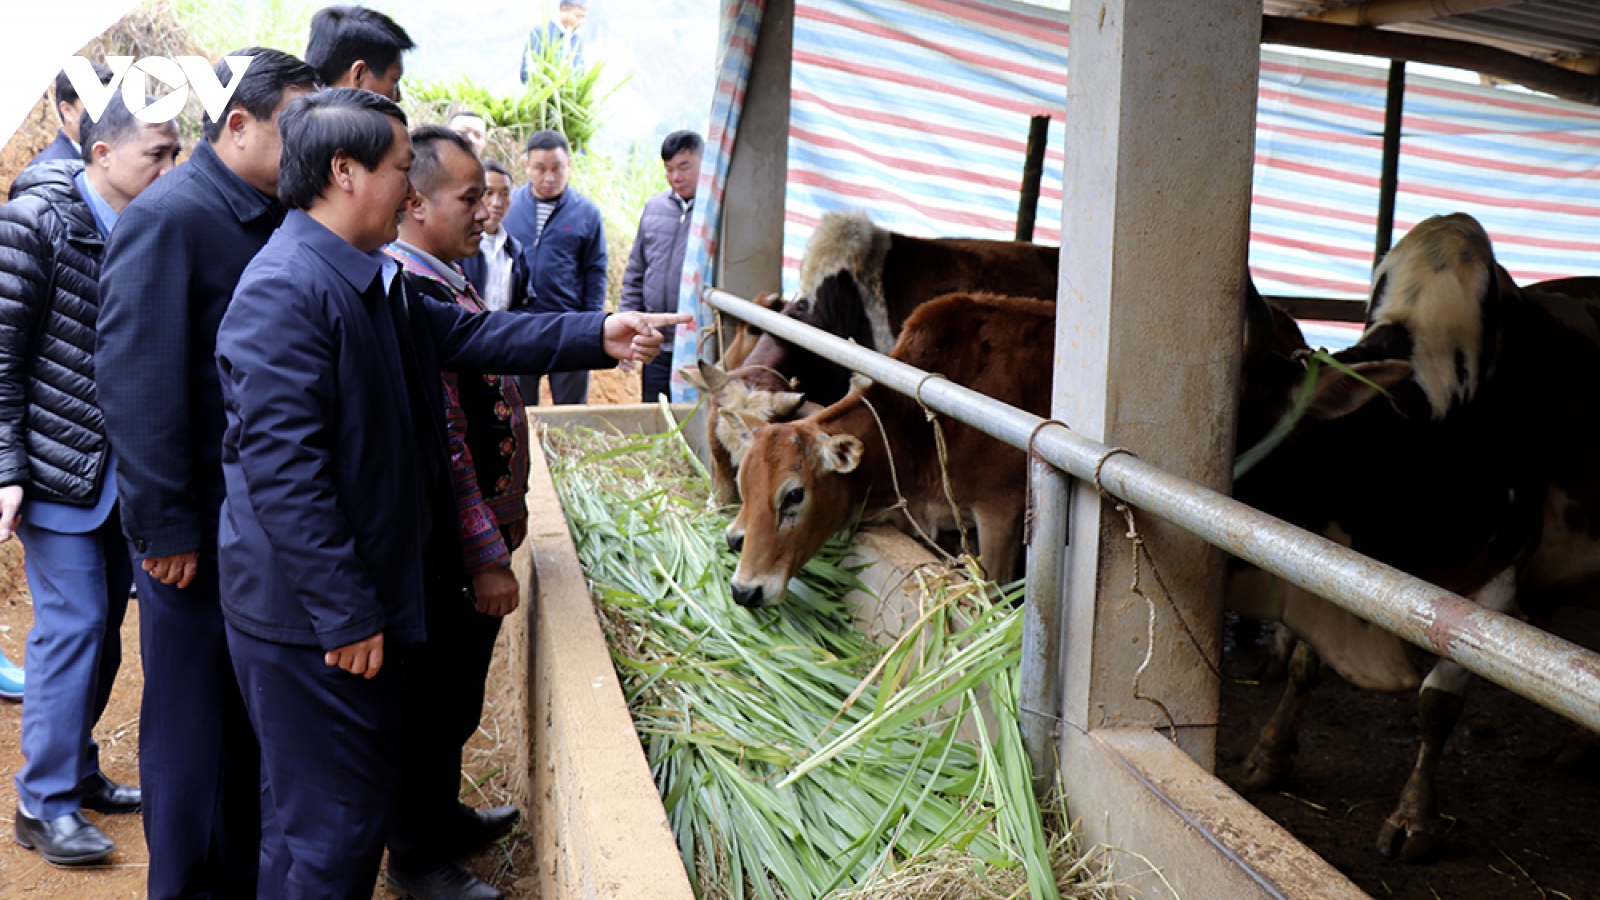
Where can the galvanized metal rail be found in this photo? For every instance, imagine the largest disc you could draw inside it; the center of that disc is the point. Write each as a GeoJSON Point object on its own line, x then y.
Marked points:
{"type": "Point", "coordinates": [1554, 673]}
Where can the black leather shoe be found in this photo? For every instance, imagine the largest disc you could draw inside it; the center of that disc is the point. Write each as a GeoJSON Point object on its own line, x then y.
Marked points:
{"type": "Point", "coordinates": [68, 840]}
{"type": "Point", "coordinates": [450, 881]}
{"type": "Point", "coordinates": [478, 828]}
{"type": "Point", "coordinates": [102, 795]}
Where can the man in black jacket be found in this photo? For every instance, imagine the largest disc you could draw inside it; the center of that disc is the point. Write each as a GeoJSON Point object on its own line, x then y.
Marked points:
{"type": "Point", "coordinates": [169, 274]}
{"type": "Point", "coordinates": [655, 266]}
{"type": "Point", "coordinates": [70, 108]}
{"type": "Point", "coordinates": [487, 430]}
{"type": "Point", "coordinates": [54, 459]}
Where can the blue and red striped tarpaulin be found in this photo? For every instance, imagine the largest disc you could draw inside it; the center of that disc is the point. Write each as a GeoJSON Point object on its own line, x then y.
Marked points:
{"type": "Point", "coordinates": [741, 23]}
{"type": "Point", "coordinates": [917, 112]}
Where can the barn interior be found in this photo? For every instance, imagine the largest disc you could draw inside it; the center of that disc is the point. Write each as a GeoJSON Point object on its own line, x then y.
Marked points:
{"type": "Point", "coordinates": [1153, 234]}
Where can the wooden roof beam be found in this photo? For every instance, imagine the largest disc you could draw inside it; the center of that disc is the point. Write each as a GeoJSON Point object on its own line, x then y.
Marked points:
{"type": "Point", "coordinates": [1376, 13]}
{"type": "Point", "coordinates": [1530, 73]}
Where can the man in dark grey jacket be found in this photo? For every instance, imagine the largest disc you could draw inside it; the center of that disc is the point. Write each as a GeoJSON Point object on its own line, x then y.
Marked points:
{"type": "Point", "coordinates": [57, 471]}
{"type": "Point", "coordinates": [655, 266]}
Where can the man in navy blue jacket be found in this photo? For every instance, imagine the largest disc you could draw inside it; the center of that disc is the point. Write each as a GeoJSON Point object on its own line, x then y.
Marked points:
{"type": "Point", "coordinates": [564, 245]}
{"type": "Point", "coordinates": [169, 271]}
{"type": "Point", "coordinates": [340, 515]}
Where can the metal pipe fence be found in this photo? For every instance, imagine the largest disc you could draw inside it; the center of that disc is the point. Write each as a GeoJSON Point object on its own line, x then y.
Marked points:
{"type": "Point", "coordinates": [1550, 671]}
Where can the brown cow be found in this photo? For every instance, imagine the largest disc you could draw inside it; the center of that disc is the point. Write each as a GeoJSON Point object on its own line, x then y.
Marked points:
{"type": "Point", "coordinates": [861, 282]}
{"type": "Point", "coordinates": [804, 480]}
{"type": "Point", "coordinates": [1475, 468]}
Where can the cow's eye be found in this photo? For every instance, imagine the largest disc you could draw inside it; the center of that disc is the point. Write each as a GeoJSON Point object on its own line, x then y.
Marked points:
{"type": "Point", "coordinates": [793, 497]}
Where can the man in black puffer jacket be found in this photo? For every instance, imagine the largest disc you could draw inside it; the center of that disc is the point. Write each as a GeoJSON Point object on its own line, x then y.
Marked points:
{"type": "Point", "coordinates": [655, 267]}
{"type": "Point", "coordinates": [57, 471]}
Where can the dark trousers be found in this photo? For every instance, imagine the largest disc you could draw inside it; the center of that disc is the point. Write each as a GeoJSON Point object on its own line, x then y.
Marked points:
{"type": "Point", "coordinates": [656, 377]}
{"type": "Point", "coordinates": [79, 584]}
{"type": "Point", "coordinates": [445, 701]}
{"type": "Point", "coordinates": [565, 388]}
{"type": "Point", "coordinates": [330, 764]}
{"type": "Point", "coordinates": [199, 765]}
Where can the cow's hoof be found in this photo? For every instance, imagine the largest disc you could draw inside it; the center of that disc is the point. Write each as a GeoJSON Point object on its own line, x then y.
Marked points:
{"type": "Point", "coordinates": [1407, 841]}
{"type": "Point", "coordinates": [1265, 770]}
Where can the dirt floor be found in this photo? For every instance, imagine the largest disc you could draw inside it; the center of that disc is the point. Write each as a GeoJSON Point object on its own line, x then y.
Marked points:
{"type": "Point", "coordinates": [1520, 827]}
{"type": "Point", "coordinates": [509, 866]}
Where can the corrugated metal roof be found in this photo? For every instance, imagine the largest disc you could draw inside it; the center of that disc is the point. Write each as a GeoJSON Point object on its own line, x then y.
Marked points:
{"type": "Point", "coordinates": [1554, 30]}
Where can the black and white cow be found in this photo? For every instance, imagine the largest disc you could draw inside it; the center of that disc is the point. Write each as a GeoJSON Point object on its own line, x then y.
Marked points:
{"type": "Point", "coordinates": [1469, 456]}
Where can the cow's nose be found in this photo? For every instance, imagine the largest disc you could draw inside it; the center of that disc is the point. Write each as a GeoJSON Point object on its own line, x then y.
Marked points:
{"type": "Point", "coordinates": [747, 596]}
{"type": "Point", "coordinates": [735, 540]}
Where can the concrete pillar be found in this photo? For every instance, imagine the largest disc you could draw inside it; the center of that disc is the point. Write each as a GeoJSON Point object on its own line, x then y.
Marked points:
{"type": "Point", "coordinates": [1160, 135]}
{"type": "Point", "coordinates": [750, 260]}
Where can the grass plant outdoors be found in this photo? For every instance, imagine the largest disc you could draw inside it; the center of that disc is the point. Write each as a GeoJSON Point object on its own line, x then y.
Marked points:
{"type": "Point", "coordinates": [559, 95]}
{"type": "Point", "coordinates": [795, 758]}
{"type": "Point", "coordinates": [228, 25]}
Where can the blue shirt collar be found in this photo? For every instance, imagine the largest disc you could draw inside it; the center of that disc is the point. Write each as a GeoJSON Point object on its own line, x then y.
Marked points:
{"type": "Point", "coordinates": [354, 266]}
{"type": "Point", "coordinates": [105, 218]}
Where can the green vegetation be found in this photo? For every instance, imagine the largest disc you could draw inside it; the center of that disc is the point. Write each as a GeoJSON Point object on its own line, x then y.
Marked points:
{"type": "Point", "coordinates": [558, 96]}
{"type": "Point", "coordinates": [795, 758]}
{"type": "Point", "coordinates": [224, 26]}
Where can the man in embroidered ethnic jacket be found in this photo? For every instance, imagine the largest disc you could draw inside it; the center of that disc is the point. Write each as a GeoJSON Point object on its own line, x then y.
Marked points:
{"type": "Point", "coordinates": [488, 440]}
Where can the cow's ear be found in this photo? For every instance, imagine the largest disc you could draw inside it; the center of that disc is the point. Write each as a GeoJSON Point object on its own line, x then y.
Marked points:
{"type": "Point", "coordinates": [784, 405]}
{"type": "Point", "coordinates": [1338, 394]}
{"type": "Point", "coordinates": [735, 434]}
{"type": "Point", "coordinates": [840, 453]}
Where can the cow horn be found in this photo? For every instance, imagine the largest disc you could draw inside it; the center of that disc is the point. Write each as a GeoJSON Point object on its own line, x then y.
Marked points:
{"type": "Point", "coordinates": [711, 379]}
{"type": "Point", "coordinates": [785, 403]}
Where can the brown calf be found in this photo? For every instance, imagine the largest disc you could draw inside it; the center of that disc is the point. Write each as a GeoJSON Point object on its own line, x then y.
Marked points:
{"type": "Point", "coordinates": [861, 282]}
{"type": "Point", "coordinates": [804, 480]}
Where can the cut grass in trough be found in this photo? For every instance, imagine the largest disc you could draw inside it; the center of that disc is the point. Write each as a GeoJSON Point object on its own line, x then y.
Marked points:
{"type": "Point", "coordinates": [795, 758]}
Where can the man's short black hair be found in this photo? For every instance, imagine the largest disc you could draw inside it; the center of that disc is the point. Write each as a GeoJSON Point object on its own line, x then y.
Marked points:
{"type": "Point", "coordinates": [428, 143]}
{"type": "Point", "coordinates": [495, 165]}
{"type": "Point", "coordinates": [341, 36]}
{"type": "Point", "coordinates": [67, 93]}
{"type": "Point", "coordinates": [269, 74]}
{"type": "Point", "coordinates": [116, 127]}
{"type": "Point", "coordinates": [463, 113]}
{"type": "Point", "coordinates": [679, 141]}
{"type": "Point", "coordinates": [319, 126]}
{"type": "Point", "coordinates": [548, 140]}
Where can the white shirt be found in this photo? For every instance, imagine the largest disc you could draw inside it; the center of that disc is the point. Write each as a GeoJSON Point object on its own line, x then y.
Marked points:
{"type": "Point", "coordinates": [497, 266]}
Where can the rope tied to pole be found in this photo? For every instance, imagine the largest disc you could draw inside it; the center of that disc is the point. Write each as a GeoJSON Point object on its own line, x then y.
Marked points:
{"type": "Point", "coordinates": [944, 462]}
{"type": "Point", "coordinates": [1140, 556]}
{"type": "Point", "coordinates": [894, 479]}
